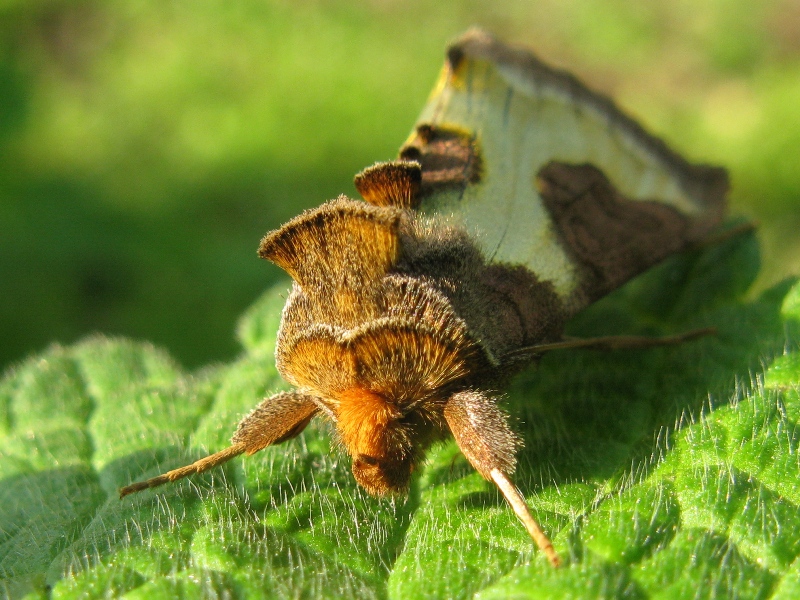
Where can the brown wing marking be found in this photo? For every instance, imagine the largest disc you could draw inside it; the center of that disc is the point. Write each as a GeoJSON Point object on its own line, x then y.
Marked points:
{"type": "Point", "coordinates": [610, 237]}
{"type": "Point", "coordinates": [518, 296]}
{"type": "Point", "coordinates": [435, 158]}
{"type": "Point", "coordinates": [341, 244]}
{"type": "Point", "coordinates": [450, 157]}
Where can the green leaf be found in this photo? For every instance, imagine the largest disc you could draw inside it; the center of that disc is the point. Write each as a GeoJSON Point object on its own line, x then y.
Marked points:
{"type": "Point", "coordinates": [663, 473]}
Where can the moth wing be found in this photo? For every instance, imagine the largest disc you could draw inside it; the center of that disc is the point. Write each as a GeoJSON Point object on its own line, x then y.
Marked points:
{"type": "Point", "coordinates": [545, 173]}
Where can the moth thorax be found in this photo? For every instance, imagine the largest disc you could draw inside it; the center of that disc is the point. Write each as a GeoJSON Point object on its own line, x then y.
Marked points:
{"type": "Point", "coordinates": [370, 428]}
{"type": "Point", "coordinates": [352, 305]}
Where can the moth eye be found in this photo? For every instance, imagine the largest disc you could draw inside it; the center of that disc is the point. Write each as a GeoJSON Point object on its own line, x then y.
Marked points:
{"type": "Point", "coordinates": [368, 460]}
{"type": "Point", "coordinates": [406, 418]}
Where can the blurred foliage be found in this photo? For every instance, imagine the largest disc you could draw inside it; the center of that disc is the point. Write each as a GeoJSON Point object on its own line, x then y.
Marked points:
{"type": "Point", "coordinates": [145, 147]}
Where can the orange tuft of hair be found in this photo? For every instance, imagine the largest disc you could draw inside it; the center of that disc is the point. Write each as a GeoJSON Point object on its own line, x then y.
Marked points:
{"type": "Point", "coordinates": [362, 417]}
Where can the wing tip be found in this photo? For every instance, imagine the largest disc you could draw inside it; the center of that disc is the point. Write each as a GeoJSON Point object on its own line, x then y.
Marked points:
{"type": "Point", "coordinates": [707, 185]}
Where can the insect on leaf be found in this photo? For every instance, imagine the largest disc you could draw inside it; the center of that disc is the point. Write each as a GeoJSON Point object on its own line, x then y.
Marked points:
{"type": "Point", "coordinates": [520, 198]}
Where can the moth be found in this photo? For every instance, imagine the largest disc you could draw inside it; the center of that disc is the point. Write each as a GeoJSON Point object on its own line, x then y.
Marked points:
{"type": "Point", "coordinates": [520, 198]}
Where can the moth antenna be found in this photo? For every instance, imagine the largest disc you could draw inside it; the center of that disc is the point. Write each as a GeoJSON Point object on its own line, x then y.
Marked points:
{"type": "Point", "coordinates": [199, 466]}
{"type": "Point", "coordinates": [610, 342]}
{"type": "Point", "coordinates": [517, 502]}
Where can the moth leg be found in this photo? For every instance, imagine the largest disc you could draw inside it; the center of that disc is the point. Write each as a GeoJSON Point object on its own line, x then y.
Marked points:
{"type": "Point", "coordinates": [276, 419]}
{"type": "Point", "coordinates": [609, 342]}
{"type": "Point", "coordinates": [482, 433]}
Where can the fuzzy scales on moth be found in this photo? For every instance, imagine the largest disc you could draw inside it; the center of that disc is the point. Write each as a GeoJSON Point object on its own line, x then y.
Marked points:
{"type": "Point", "coordinates": [520, 198]}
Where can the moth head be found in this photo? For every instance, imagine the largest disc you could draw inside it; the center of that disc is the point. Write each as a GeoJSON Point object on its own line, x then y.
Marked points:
{"type": "Point", "coordinates": [380, 437]}
{"type": "Point", "coordinates": [383, 384]}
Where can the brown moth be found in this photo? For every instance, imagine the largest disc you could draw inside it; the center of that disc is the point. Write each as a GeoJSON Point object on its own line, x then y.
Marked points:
{"type": "Point", "coordinates": [520, 198]}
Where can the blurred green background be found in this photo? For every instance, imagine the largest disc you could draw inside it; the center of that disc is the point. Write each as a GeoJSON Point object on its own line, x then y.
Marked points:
{"type": "Point", "coordinates": [145, 147]}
